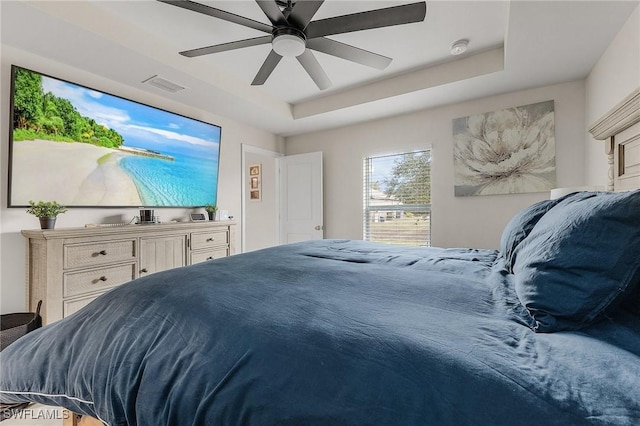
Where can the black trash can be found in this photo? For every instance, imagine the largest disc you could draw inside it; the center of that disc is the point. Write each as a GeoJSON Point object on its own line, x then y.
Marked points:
{"type": "Point", "coordinates": [14, 326]}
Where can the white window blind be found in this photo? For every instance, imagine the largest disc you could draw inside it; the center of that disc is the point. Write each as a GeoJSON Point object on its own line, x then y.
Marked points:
{"type": "Point", "coordinates": [397, 198]}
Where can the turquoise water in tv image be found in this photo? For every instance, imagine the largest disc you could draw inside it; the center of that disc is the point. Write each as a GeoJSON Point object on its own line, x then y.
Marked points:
{"type": "Point", "coordinates": [191, 178]}
{"type": "Point", "coordinates": [186, 181]}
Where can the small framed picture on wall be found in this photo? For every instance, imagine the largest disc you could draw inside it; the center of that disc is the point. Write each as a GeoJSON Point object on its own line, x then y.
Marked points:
{"type": "Point", "coordinates": [255, 180]}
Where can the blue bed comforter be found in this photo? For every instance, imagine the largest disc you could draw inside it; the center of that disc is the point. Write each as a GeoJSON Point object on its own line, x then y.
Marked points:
{"type": "Point", "coordinates": [330, 332]}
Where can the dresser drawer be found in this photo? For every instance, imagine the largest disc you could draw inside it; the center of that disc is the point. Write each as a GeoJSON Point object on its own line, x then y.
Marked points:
{"type": "Point", "coordinates": [88, 281]}
{"type": "Point", "coordinates": [200, 240]}
{"type": "Point", "coordinates": [202, 256]}
{"type": "Point", "coordinates": [73, 306]}
{"type": "Point", "coordinates": [98, 253]}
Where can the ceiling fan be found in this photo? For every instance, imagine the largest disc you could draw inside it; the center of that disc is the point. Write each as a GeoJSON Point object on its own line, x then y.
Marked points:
{"type": "Point", "coordinates": [293, 33]}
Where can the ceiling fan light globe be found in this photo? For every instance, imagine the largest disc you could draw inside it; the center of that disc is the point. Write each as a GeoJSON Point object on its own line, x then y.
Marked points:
{"type": "Point", "coordinates": [288, 45]}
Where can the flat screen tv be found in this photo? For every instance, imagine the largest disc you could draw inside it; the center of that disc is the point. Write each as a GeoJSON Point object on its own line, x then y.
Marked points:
{"type": "Point", "coordinates": [86, 148]}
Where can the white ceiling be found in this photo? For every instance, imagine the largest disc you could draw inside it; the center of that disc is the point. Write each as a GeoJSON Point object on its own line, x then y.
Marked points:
{"type": "Point", "coordinates": [513, 45]}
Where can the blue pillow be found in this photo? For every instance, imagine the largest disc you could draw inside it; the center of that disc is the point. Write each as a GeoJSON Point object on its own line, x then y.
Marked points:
{"type": "Point", "coordinates": [519, 227]}
{"type": "Point", "coordinates": [582, 257]}
{"type": "Point", "coordinates": [522, 223]}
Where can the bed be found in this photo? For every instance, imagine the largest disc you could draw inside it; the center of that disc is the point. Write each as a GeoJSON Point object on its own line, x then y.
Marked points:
{"type": "Point", "coordinates": [545, 330]}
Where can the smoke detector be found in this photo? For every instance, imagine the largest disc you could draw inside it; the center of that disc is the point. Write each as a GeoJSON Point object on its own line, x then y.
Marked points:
{"type": "Point", "coordinates": [459, 47]}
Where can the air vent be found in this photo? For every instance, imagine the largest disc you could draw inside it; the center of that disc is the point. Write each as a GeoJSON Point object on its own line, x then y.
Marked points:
{"type": "Point", "coordinates": [164, 84]}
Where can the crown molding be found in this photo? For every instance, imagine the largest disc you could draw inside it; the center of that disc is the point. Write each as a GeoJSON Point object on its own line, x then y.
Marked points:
{"type": "Point", "coordinates": [619, 118]}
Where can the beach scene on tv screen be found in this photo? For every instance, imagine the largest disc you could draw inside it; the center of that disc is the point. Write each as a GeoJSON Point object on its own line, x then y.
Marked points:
{"type": "Point", "coordinates": [83, 147]}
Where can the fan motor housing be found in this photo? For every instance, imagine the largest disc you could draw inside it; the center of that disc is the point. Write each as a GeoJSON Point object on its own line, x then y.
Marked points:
{"type": "Point", "coordinates": [288, 41]}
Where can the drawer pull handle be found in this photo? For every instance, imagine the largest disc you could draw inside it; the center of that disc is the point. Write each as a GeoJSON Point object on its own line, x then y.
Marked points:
{"type": "Point", "coordinates": [210, 258]}
{"type": "Point", "coordinates": [101, 252]}
{"type": "Point", "coordinates": [143, 270]}
{"type": "Point", "coordinates": [209, 239]}
{"type": "Point", "coordinates": [102, 278]}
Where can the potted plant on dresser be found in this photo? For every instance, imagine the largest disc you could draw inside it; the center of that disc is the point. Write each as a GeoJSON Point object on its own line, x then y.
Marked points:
{"type": "Point", "coordinates": [211, 210]}
{"type": "Point", "coordinates": [46, 211]}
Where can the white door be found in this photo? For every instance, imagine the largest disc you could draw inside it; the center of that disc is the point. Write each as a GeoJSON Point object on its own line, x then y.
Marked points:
{"type": "Point", "coordinates": [301, 216]}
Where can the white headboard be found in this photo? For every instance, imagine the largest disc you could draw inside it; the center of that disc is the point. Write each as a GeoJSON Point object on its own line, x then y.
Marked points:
{"type": "Point", "coordinates": [620, 129]}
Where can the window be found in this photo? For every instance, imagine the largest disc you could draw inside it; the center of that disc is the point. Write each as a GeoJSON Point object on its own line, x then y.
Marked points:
{"type": "Point", "coordinates": [397, 198]}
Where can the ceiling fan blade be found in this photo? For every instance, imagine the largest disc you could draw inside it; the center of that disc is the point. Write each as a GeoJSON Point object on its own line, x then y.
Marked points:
{"type": "Point", "coordinates": [226, 46]}
{"type": "Point", "coordinates": [348, 52]}
{"type": "Point", "coordinates": [396, 15]}
{"type": "Point", "coordinates": [313, 68]}
{"type": "Point", "coordinates": [273, 12]}
{"type": "Point", "coordinates": [221, 14]}
{"type": "Point", "coordinates": [266, 69]}
{"type": "Point", "coordinates": [302, 13]}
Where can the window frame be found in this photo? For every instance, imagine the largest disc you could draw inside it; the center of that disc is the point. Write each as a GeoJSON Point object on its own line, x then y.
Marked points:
{"type": "Point", "coordinates": [395, 209]}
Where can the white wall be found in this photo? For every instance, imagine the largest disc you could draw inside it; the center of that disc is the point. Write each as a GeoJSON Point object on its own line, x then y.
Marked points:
{"type": "Point", "coordinates": [615, 75]}
{"type": "Point", "coordinates": [12, 247]}
{"type": "Point", "coordinates": [261, 217]}
{"type": "Point", "coordinates": [456, 221]}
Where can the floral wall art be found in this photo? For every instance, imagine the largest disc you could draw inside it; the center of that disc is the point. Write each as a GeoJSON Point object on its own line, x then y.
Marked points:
{"type": "Point", "coordinates": [505, 152]}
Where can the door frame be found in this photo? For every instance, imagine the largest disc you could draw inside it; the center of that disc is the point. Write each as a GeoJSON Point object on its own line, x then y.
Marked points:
{"type": "Point", "coordinates": [245, 148]}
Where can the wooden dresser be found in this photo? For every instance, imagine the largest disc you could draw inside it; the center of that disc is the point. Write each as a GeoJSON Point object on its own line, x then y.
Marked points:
{"type": "Point", "coordinates": [69, 267]}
